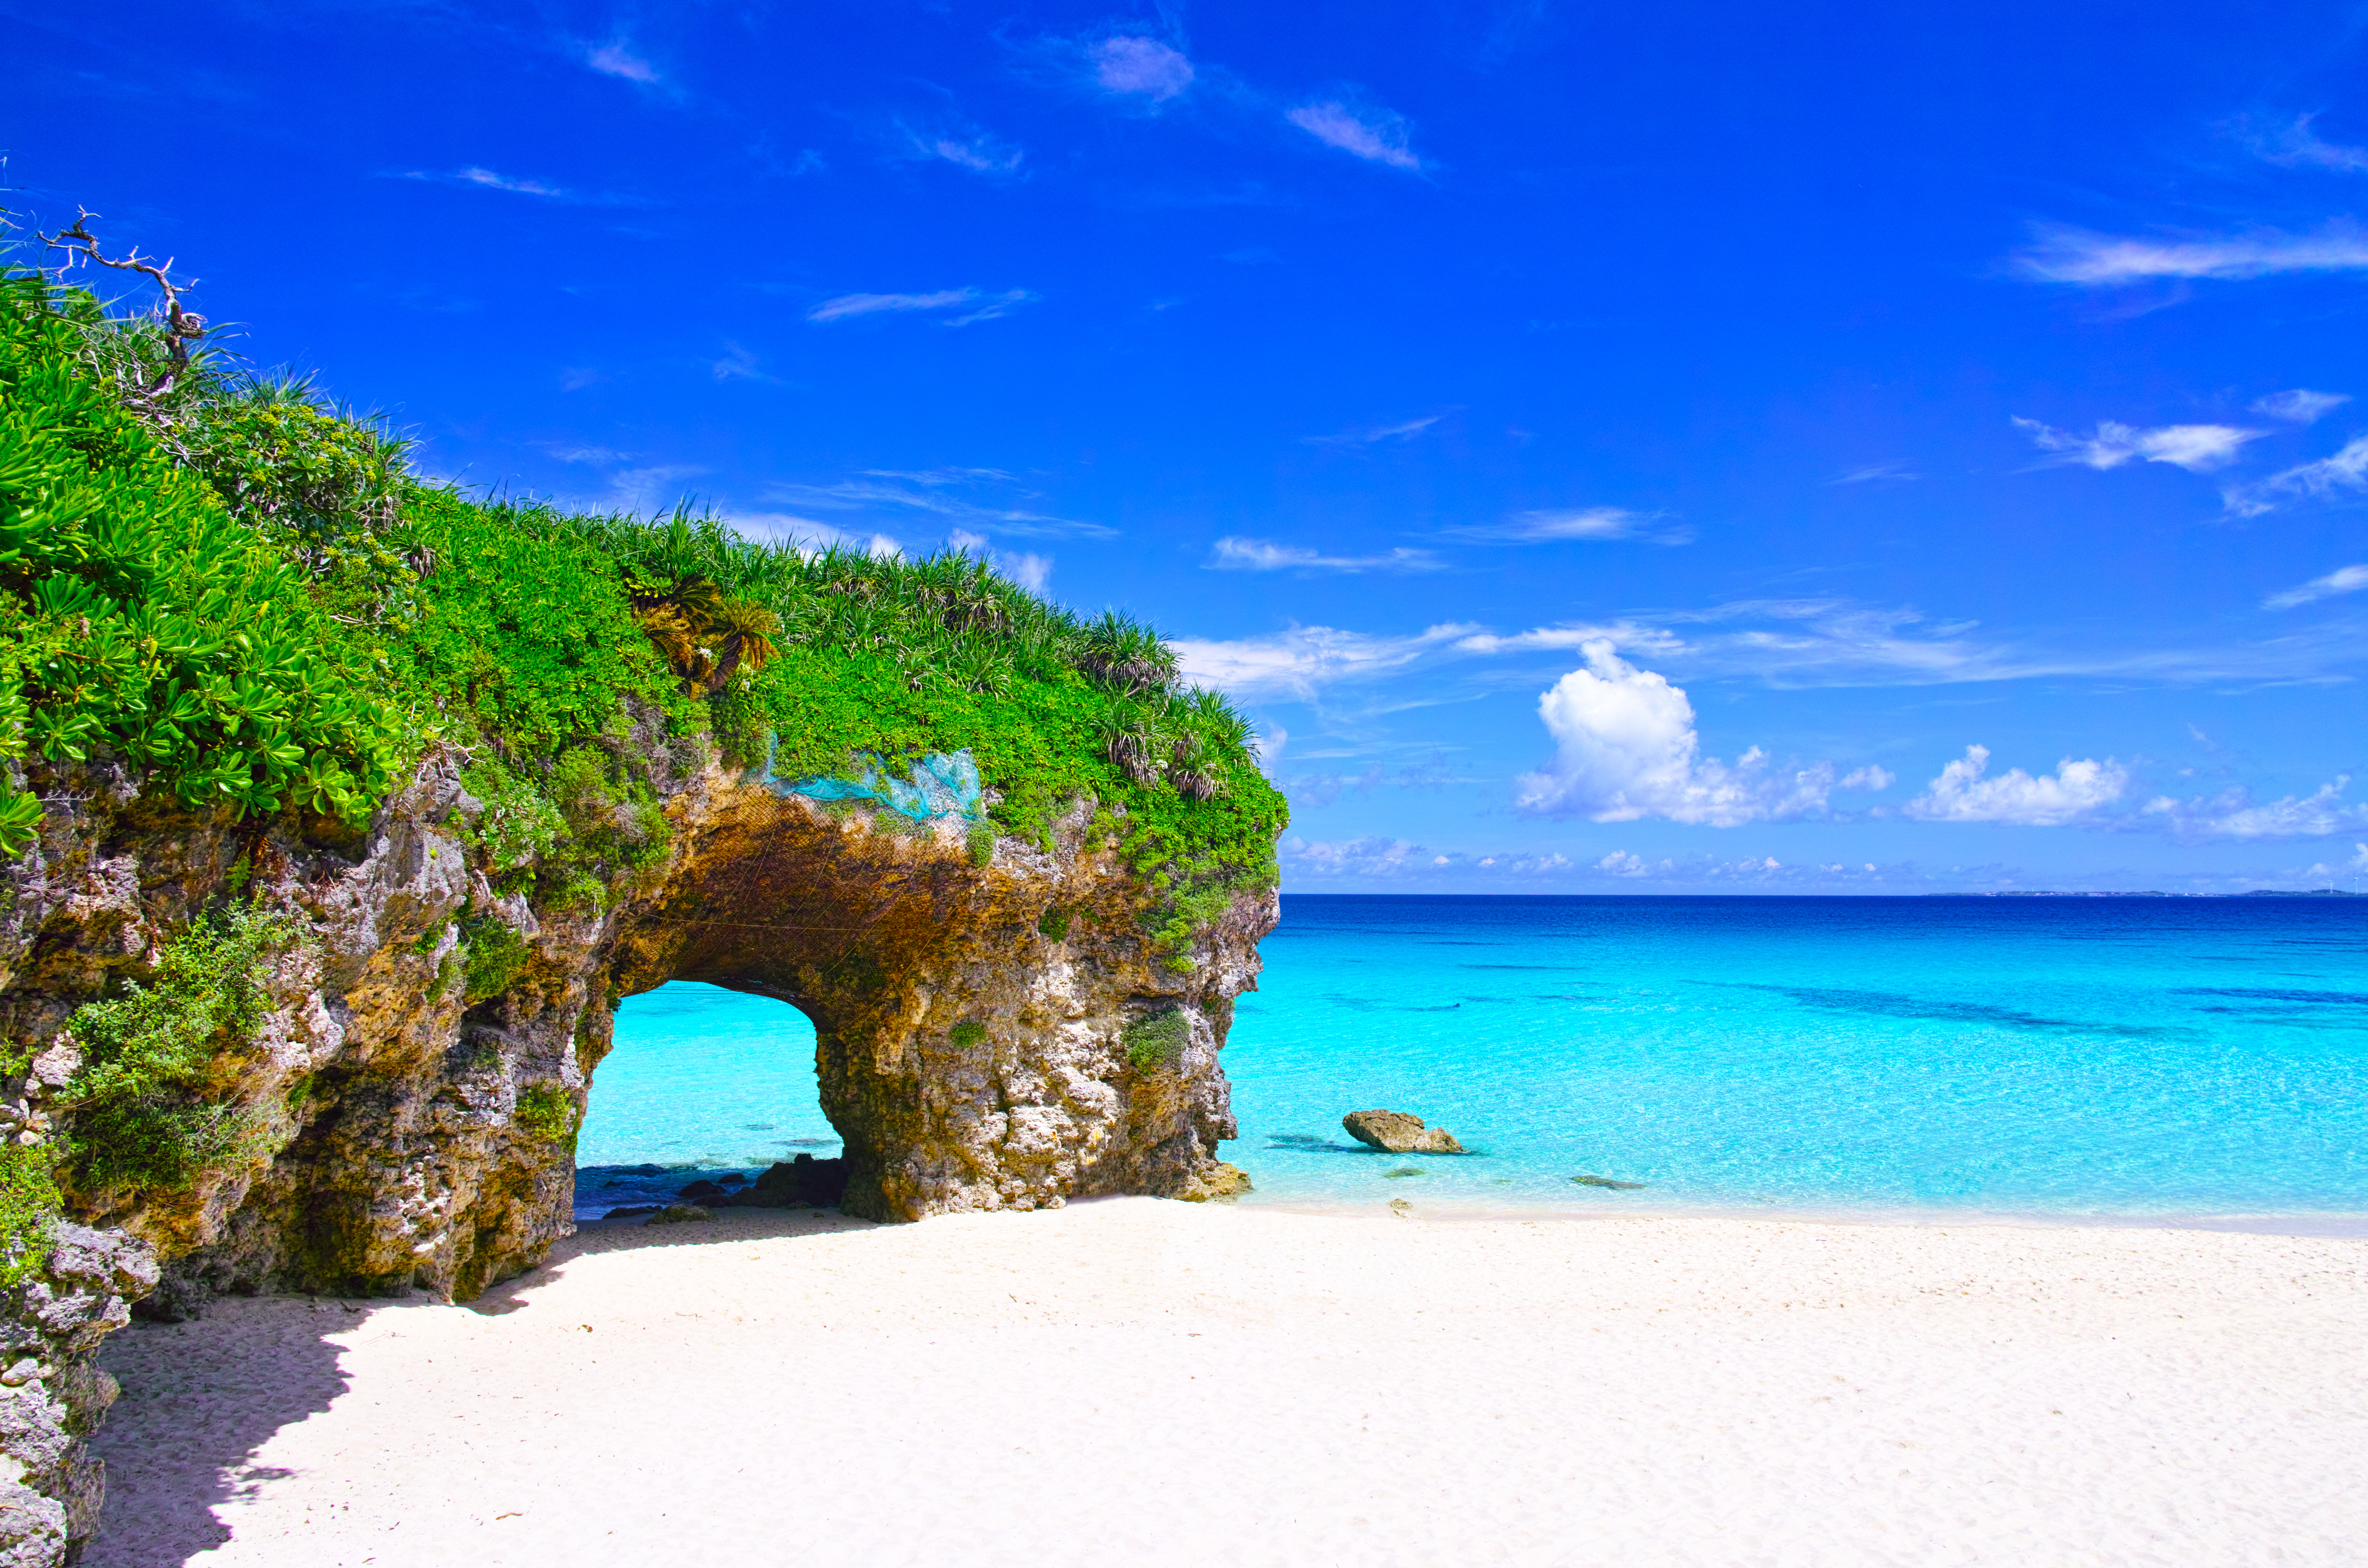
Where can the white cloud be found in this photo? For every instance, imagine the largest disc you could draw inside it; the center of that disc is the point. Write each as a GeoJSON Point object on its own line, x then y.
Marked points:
{"type": "Point", "coordinates": [616, 60]}
{"type": "Point", "coordinates": [1401, 430]}
{"type": "Point", "coordinates": [1377, 136]}
{"type": "Point", "coordinates": [945, 494]}
{"type": "Point", "coordinates": [1232, 554]}
{"type": "Point", "coordinates": [1869, 779]}
{"type": "Point", "coordinates": [1299, 662]}
{"type": "Point", "coordinates": [1268, 745]}
{"type": "Point", "coordinates": [807, 534]}
{"type": "Point", "coordinates": [2295, 143]}
{"type": "Point", "coordinates": [973, 304]}
{"type": "Point", "coordinates": [1875, 472]}
{"type": "Point", "coordinates": [1353, 857]}
{"type": "Point", "coordinates": [2194, 448]}
{"type": "Point", "coordinates": [2320, 481]}
{"type": "Point", "coordinates": [2075, 255]}
{"type": "Point", "coordinates": [2342, 580]}
{"type": "Point", "coordinates": [2074, 792]}
{"type": "Point", "coordinates": [738, 364]}
{"type": "Point", "coordinates": [2302, 406]}
{"type": "Point", "coordinates": [1140, 65]}
{"type": "Point", "coordinates": [1556, 525]}
{"type": "Point", "coordinates": [1034, 573]}
{"type": "Point", "coordinates": [479, 178]}
{"type": "Point", "coordinates": [1626, 863]}
{"type": "Point", "coordinates": [2231, 813]}
{"type": "Point", "coordinates": [1625, 748]}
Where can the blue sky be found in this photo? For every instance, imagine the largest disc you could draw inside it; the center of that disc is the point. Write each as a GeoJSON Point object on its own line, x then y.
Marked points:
{"type": "Point", "coordinates": [1678, 447]}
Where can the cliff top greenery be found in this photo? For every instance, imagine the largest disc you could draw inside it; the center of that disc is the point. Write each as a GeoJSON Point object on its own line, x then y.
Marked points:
{"type": "Point", "coordinates": [242, 591]}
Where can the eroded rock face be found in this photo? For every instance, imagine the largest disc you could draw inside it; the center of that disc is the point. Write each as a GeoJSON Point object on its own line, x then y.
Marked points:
{"type": "Point", "coordinates": [1395, 1132]}
{"type": "Point", "coordinates": [969, 1059]}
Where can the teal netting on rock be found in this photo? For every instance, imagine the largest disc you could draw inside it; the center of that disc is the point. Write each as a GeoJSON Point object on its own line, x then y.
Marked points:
{"type": "Point", "coordinates": [942, 785]}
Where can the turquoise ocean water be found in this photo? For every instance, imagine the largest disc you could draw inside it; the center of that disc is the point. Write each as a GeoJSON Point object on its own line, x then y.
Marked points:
{"type": "Point", "coordinates": [2154, 1059]}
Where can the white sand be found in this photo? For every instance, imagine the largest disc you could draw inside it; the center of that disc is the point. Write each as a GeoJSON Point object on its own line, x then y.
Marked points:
{"type": "Point", "coordinates": [1132, 1382]}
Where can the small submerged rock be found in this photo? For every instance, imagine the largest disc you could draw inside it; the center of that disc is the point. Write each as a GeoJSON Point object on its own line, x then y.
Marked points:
{"type": "Point", "coordinates": [632, 1211]}
{"type": "Point", "coordinates": [1606, 1181]}
{"type": "Point", "coordinates": [1395, 1132]}
{"type": "Point", "coordinates": [1402, 1171]}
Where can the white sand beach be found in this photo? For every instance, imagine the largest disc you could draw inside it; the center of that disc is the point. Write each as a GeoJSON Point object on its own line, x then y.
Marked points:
{"type": "Point", "coordinates": [1135, 1382]}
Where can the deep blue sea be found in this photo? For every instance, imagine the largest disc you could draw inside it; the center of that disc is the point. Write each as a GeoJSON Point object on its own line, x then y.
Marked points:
{"type": "Point", "coordinates": [2077, 1058]}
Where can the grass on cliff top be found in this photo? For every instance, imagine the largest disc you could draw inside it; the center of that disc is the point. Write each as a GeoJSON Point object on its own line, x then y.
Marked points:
{"type": "Point", "coordinates": [237, 590]}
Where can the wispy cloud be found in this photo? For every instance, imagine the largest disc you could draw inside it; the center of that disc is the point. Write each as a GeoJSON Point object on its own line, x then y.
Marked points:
{"type": "Point", "coordinates": [599, 456]}
{"type": "Point", "coordinates": [2343, 580]}
{"type": "Point", "coordinates": [2077, 791]}
{"type": "Point", "coordinates": [2325, 479]}
{"type": "Point", "coordinates": [2300, 406]}
{"type": "Point", "coordinates": [2294, 144]}
{"type": "Point", "coordinates": [1399, 430]}
{"type": "Point", "coordinates": [2195, 448]}
{"type": "Point", "coordinates": [478, 178]}
{"type": "Point", "coordinates": [1875, 472]}
{"type": "Point", "coordinates": [1306, 659]}
{"type": "Point", "coordinates": [965, 147]}
{"type": "Point", "coordinates": [980, 500]}
{"type": "Point", "coordinates": [616, 59]}
{"type": "Point", "coordinates": [2076, 255]}
{"type": "Point", "coordinates": [1235, 554]}
{"type": "Point", "coordinates": [1557, 524]}
{"type": "Point", "coordinates": [967, 304]}
{"type": "Point", "coordinates": [1376, 135]}
{"type": "Point", "coordinates": [1034, 573]}
{"type": "Point", "coordinates": [2232, 813]}
{"type": "Point", "coordinates": [1132, 65]}
{"type": "Point", "coordinates": [739, 364]}
{"type": "Point", "coordinates": [807, 534]}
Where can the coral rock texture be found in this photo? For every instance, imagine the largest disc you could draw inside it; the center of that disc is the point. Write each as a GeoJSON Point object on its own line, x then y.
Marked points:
{"type": "Point", "coordinates": [1395, 1132]}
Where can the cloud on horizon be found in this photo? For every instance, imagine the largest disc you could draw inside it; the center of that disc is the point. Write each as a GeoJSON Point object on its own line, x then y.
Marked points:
{"type": "Point", "coordinates": [2076, 792]}
{"type": "Point", "coordinates": [2231, 814]}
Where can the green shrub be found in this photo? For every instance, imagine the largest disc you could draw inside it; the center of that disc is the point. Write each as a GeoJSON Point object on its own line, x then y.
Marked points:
{"type": "Point", "coordinates": [545, 1113]}
{"type": "Point", "coordinates": [1054, 923]}
{"type": "Point", "coordinates": [496, 953]}
{"type": "Point", "coordinates": [150, 1104]}
{"type": "Point", "coordinates": [29, 1204]}
{"type": "Point", "coordinates": [966, 1034]}
{"type": "Point", "coordinates": [1157, 1044]}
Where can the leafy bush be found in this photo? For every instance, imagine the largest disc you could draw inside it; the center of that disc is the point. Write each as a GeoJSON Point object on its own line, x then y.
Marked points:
{"type": "Point", "coordinates": [150, 1103]}
{"type": "Point", "coordinates": [496, 953]}
{"type": "Point", "coordinates": [1054, 923]}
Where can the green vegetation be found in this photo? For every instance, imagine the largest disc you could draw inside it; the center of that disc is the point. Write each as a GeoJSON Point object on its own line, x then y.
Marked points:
{"type": "Point", "coordinates": [29, 1206]}
{"type": "Point", "coordinates": [545, 1113]}
{"type": "Point", "coordinates": [1157, 1044]}
{"type": "Point", "coordinates": [148, 1102]}
{"type": "Point", "coordinates": [1054, 923]}
{"type": "Point", "coordinates": [238, 591]}
{"type": "Point", "coordinates": [967, 1034]}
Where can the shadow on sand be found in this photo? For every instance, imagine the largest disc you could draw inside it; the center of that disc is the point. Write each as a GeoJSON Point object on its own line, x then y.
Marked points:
{"type": "Point", "coordinates": [200, 1399]}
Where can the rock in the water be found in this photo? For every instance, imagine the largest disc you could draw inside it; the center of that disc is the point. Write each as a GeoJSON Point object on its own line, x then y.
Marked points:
{"type": "Point", "coordinates": [699, 1191]}
{"type": "Point", "coordinates": [1606, 1181]}
{"type": "Point", "coordinates": [631, 1212]}
{"type": "Point", "coordinates": [679, 1213]}
{"type": "Point", "coordinates": [788, 1183]}
{"type": "Point", "coordinates": [1395, 1132]}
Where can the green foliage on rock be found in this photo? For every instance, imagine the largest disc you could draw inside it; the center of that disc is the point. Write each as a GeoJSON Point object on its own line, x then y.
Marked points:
{"type": "Point", "coordinates": [496, 954]}
{"type": "Point", "coordinates": [29, 1203]}
{"type": "Point", "coordinates": [1157, 1044]}
{"type": "Point", "coordinates": [545, 1113]}
{"type": "Point", "coordinates": [149, 1102]}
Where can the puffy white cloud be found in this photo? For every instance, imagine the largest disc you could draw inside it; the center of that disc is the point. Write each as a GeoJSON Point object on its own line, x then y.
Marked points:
{"type": "Point", "coordinates": [1377, 136]}
{"type": "Point", "coordinates": [2231, 813]}
{"type": "Point", "coordinates": [1139, 65]}
{"type": "Point", "coordinates": [2342, 580]}
{"type": "Point", "coordinates": [2076, 791]}
{"type": "Point", "coordinates": [2327, 477]}
{"type": "Point", "coordinates": [2076, 255]}
{"type": "Point", "coordinates": [2302, 406]}
{"type": "Point", "coordinates": [1233, 555]}
{"type": "Point", "coordinates": [1625, 748]}
{"type": "Point", "coordinates": [2194, 448]}
{"type": "Point", "coordinates": [1869, 779]}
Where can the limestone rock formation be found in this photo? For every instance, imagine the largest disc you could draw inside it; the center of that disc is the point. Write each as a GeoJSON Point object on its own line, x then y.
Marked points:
{"type": "Point", "coordinates": [410, 1138]}
{"type": "Point", "coordinates": [1395, 1132]}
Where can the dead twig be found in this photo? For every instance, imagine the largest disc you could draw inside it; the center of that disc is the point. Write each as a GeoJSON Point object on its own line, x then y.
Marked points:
{"type": "Point", "coordinates": [182, 327]}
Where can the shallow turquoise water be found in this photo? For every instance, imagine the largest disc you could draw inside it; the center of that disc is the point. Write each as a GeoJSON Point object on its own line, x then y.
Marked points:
{"type": "Point", "coordinates": [2150, 1058]}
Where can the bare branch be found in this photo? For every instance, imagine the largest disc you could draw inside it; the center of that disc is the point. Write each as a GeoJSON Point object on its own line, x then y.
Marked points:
{"type": "Point", "coordinates": [182, 327]}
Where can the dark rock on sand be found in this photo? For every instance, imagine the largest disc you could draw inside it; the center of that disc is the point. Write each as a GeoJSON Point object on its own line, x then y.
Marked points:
{"type": "Point", "coordinates": [790, 1184]}
{"type": "Point", "coordinates": [699, 1191]}
{"type": "Point", "coordinates": [679, 1213]}
{"type": "Point", "coordinates": [631, 1212]}
{"type": "Point", "coordinates": [1606, 1181]}
{"type": "Point", "coordinates": [1395, 1132]}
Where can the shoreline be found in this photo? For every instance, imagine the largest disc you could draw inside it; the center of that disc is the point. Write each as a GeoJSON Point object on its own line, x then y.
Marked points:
{"type": "Point", "coordinates": [1181, 1383]}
